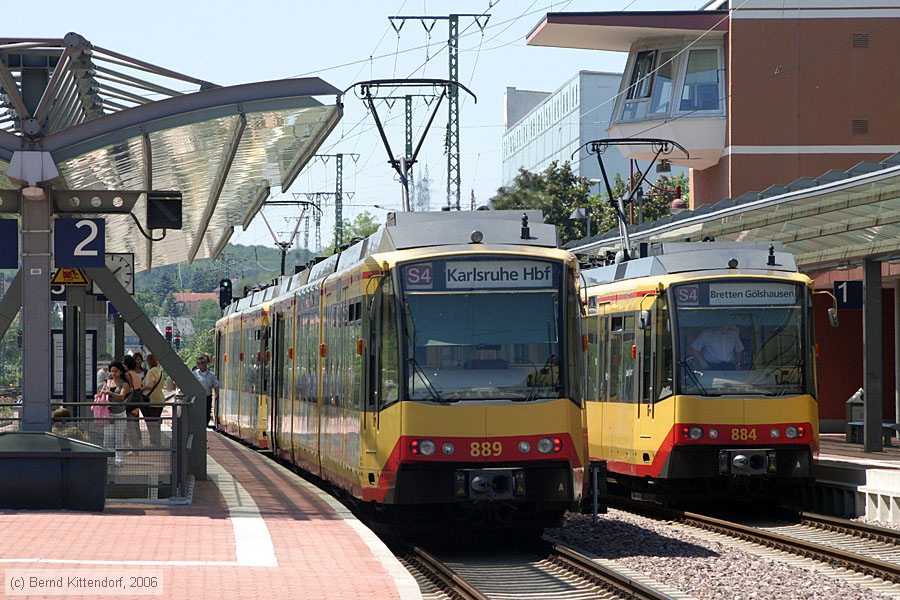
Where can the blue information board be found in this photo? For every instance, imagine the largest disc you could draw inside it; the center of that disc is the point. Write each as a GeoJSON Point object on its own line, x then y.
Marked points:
{"type": "Point", "coordinates": [9, 244]}
{"type": "Point", "coordinates": [849, 294]}
{"type": "Point", "coordinates": [79, 243]}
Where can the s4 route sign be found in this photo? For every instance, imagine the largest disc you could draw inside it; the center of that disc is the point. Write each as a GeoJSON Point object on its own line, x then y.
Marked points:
{"type": "Point", "coordinates": [79, 242]}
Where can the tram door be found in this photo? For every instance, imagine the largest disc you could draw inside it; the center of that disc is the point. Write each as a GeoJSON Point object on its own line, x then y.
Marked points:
{"type": "Point", "coordinates": [654, 359]}
{"type": "Point", "coordinates": [643, 364]}
{"type": "Point", "coordinates": [277, 402]}
{"type": "Point", "coordinates": [263, 419]}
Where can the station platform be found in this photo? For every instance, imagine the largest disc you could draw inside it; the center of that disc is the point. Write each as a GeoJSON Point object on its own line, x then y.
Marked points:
{"type": "Point", "coordinates": [852, 483]}
{"type": "Point", "coordinates": [254, 529]}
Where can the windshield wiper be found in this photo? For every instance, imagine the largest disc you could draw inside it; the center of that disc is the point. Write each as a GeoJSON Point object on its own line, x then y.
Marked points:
{"type": "Point", "coordinates": [539, 376]}
{"type": "Point", "coordinates": [417, 368]}
{"type": "Point", "coordinates": [783, 386]}
{"type": "Point", "coordinates": [690, 371]}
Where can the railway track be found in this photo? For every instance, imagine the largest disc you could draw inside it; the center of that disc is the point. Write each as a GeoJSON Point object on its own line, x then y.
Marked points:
{"type": "Point", "coordinates": [851, 545]}
{"type": "Point", "coordinates": [546, 570]}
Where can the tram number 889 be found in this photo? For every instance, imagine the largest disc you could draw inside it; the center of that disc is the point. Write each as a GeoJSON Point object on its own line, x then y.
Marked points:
{"type": "Point", "coordinates": [743, 434]}
{"type": "Point", "coordinates": [485, 449]}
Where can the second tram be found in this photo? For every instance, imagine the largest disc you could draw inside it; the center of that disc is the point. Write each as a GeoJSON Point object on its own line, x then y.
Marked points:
{"type": "Point", "coordinates": [701, 370]}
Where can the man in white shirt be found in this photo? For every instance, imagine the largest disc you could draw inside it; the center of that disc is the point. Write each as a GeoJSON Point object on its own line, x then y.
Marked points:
{"type": "Point", "coordinates": [209, 381]}
{"type": "Point", "coordinates": [718, 348]}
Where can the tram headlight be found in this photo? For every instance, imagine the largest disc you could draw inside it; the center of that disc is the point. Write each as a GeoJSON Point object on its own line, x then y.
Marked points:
{"type": "Point", "coordinates": [775, 432]}
{"type": "Point", "coordinates": [695, 433]}
{"type": "Point", "coordinates": [448, 448]}
{"type": "Point", "coordinates": [713, 433]}
{"type": "Point", "coordinates": [790, 432]}
{"type": "Point", "coordinates": [545, 446]}
{"type": "Point", "coordinates": [426, 447]}
{"type": "Point", "coordinates": [524, 447]}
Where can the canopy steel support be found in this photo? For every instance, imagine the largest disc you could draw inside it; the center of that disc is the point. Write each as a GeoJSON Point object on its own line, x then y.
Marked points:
{"type": "Point", "coordinates": [167, 357]}
{"type": "Point", "coordinates": [10, 304]}
{"type": "Point", "coordinates": [35, 301]}
{"type": "Point", "coordinates": [224, 167]}
{"type": "Point", "coordinates": [73, 342]}
{"type": "Point", "coordinates": [872, 355]}
{"type": "Point", "coordinates": [12, 91]}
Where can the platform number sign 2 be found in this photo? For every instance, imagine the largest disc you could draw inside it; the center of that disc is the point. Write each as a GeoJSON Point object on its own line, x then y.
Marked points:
{"type": "Point", "coordinates": [79, 243]}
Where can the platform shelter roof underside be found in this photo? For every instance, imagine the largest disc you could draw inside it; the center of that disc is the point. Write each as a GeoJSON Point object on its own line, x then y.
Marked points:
{"type": "Point", "coordinates": [223, 148]}
{"type": "Point", "coordinates": [834, 221]}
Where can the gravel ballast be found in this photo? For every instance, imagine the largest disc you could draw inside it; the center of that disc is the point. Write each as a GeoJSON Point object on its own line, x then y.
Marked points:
{"type": "Point", "coordinates": [699, 566]}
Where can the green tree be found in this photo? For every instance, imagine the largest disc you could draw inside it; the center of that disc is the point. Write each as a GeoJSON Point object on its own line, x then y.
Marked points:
{"type": "Point", "coordinates": [362, 226]}
{"type": "Point", "coordinates": [657, 202]}
{"type": "Point", "coordinates": [557, 192]}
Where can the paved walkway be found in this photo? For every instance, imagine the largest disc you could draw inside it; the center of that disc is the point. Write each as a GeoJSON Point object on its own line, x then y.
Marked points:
{"type": "Point", "coordinates": [254, 530]}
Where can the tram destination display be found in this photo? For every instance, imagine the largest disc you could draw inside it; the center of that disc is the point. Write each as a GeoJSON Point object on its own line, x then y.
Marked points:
{"type": "Point", "coordinates": [480, 274]}
{"type": "Point", "coordinates": [744, 293]}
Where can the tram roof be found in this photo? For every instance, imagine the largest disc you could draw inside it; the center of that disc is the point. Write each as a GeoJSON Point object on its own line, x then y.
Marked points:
{"type": "Point", "coordinates": [686, 257]}
{"type": "Point", "coordinates": [112, 122]}
{"type": "Point", "coordinates": [835, 220]}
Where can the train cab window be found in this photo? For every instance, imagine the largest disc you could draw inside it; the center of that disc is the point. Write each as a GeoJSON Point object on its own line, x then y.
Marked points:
{"type": "Point", "coordinates": [741, 338]}
{"type": "Point", "coordinates": [663, 362]}
{"type": "Point", "coordinates": [388, 364]}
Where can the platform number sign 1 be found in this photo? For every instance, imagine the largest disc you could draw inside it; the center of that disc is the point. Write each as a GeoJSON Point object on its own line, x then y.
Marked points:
{"type": "Point", "coordinates": [849, 294]}
{"type": "Point", "coordinates": [79, 243]}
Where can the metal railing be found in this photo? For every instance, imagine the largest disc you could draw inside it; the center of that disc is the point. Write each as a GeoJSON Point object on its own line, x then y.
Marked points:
{"type": "Point", "coordinates": [152, 453]}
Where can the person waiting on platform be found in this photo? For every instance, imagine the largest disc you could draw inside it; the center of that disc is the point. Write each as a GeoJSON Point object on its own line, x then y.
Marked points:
{"type": "Point", "coordinates": [718, 348]}
{"type": "Point", "coordinates": [209, 381]}
{"type": "Point", "coordinates": [134, 401]}
{"type": "Point", "coordinates": [118, 390]}
{"type": "Point", "coordinates": [62, 425]}
{"type": "Point", "coordinates": [152, 389]}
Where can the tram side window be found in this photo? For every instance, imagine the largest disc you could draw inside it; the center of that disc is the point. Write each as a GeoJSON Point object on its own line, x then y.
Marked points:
{"type": "Point", "coordinates": [593, 367]}
{"type": "Point", "coordinates": [389, 348]}
{"type": "Point", "coordinates": [615, 358]}
{"type": "Point", "coordinates": [664, 375]}
{"type": "Point", "coordinates": [621, 363]}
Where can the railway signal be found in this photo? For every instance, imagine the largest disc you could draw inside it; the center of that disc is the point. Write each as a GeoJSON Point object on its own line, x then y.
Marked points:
{"type": "Point", "coordinates": [225, 293]}
{"type": "Point", "coordinates": [169, 334]}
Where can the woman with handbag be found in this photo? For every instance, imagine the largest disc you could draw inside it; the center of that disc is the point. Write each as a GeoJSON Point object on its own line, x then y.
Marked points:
{"type": "Point", "coordinates": [133, 403]}
{"type": "Point", "coordinates": [118, 391]}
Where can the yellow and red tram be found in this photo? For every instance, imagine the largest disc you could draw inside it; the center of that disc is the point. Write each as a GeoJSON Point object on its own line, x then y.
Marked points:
{"type": "Point", "coordinates": [432, 369]}
{"type": "Point", "coordinates": [700, 371]}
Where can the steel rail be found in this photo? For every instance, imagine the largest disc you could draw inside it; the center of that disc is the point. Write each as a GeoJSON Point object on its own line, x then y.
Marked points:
{"type": "Point", "coordinates": [445, 577]}
{"type": "Point", "coordinates": [601, 575]}
{"type": "Point", "coordinates": [854, 528]}
{"type": "Point", "coordinates": [793, 545]}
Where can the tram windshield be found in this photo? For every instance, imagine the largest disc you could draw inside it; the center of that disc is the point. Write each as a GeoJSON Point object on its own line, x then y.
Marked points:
{"type": "Point", "coordinates": [741, 338]}
{"type": "Point", "coordinates": [482, 329]}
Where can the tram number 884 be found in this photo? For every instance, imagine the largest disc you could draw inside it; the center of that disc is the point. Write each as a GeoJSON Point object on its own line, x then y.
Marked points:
{"type": "Point", "coordinates": [485, 449]}
{"type": "Point", "coordinates": [743, 434]}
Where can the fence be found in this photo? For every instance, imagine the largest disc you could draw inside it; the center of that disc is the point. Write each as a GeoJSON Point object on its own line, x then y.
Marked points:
{"type": "Point", "coordinates": [152, 453]}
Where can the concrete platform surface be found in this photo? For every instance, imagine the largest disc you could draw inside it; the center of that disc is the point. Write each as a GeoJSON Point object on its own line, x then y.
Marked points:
{"type": "Point", "coordinates": [253, 530]}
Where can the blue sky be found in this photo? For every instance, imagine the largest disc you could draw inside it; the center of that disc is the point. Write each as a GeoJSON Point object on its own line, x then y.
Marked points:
{"type": "Point", "coordinates": [230, 42]}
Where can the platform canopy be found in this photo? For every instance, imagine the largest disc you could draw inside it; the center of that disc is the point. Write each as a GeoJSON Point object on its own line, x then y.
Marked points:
{"type": "Point", "coordinates": [112, 122]}
{"type": "Point", "coordinates": [835, 221]}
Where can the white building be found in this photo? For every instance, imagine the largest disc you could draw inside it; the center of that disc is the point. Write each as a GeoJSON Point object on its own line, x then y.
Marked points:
{"type": "Point", "coordinates": [542, 127]}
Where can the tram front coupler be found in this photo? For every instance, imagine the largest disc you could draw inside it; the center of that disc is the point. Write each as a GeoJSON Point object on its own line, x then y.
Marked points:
{"type": "Point", "coordinates": [749, 461]}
